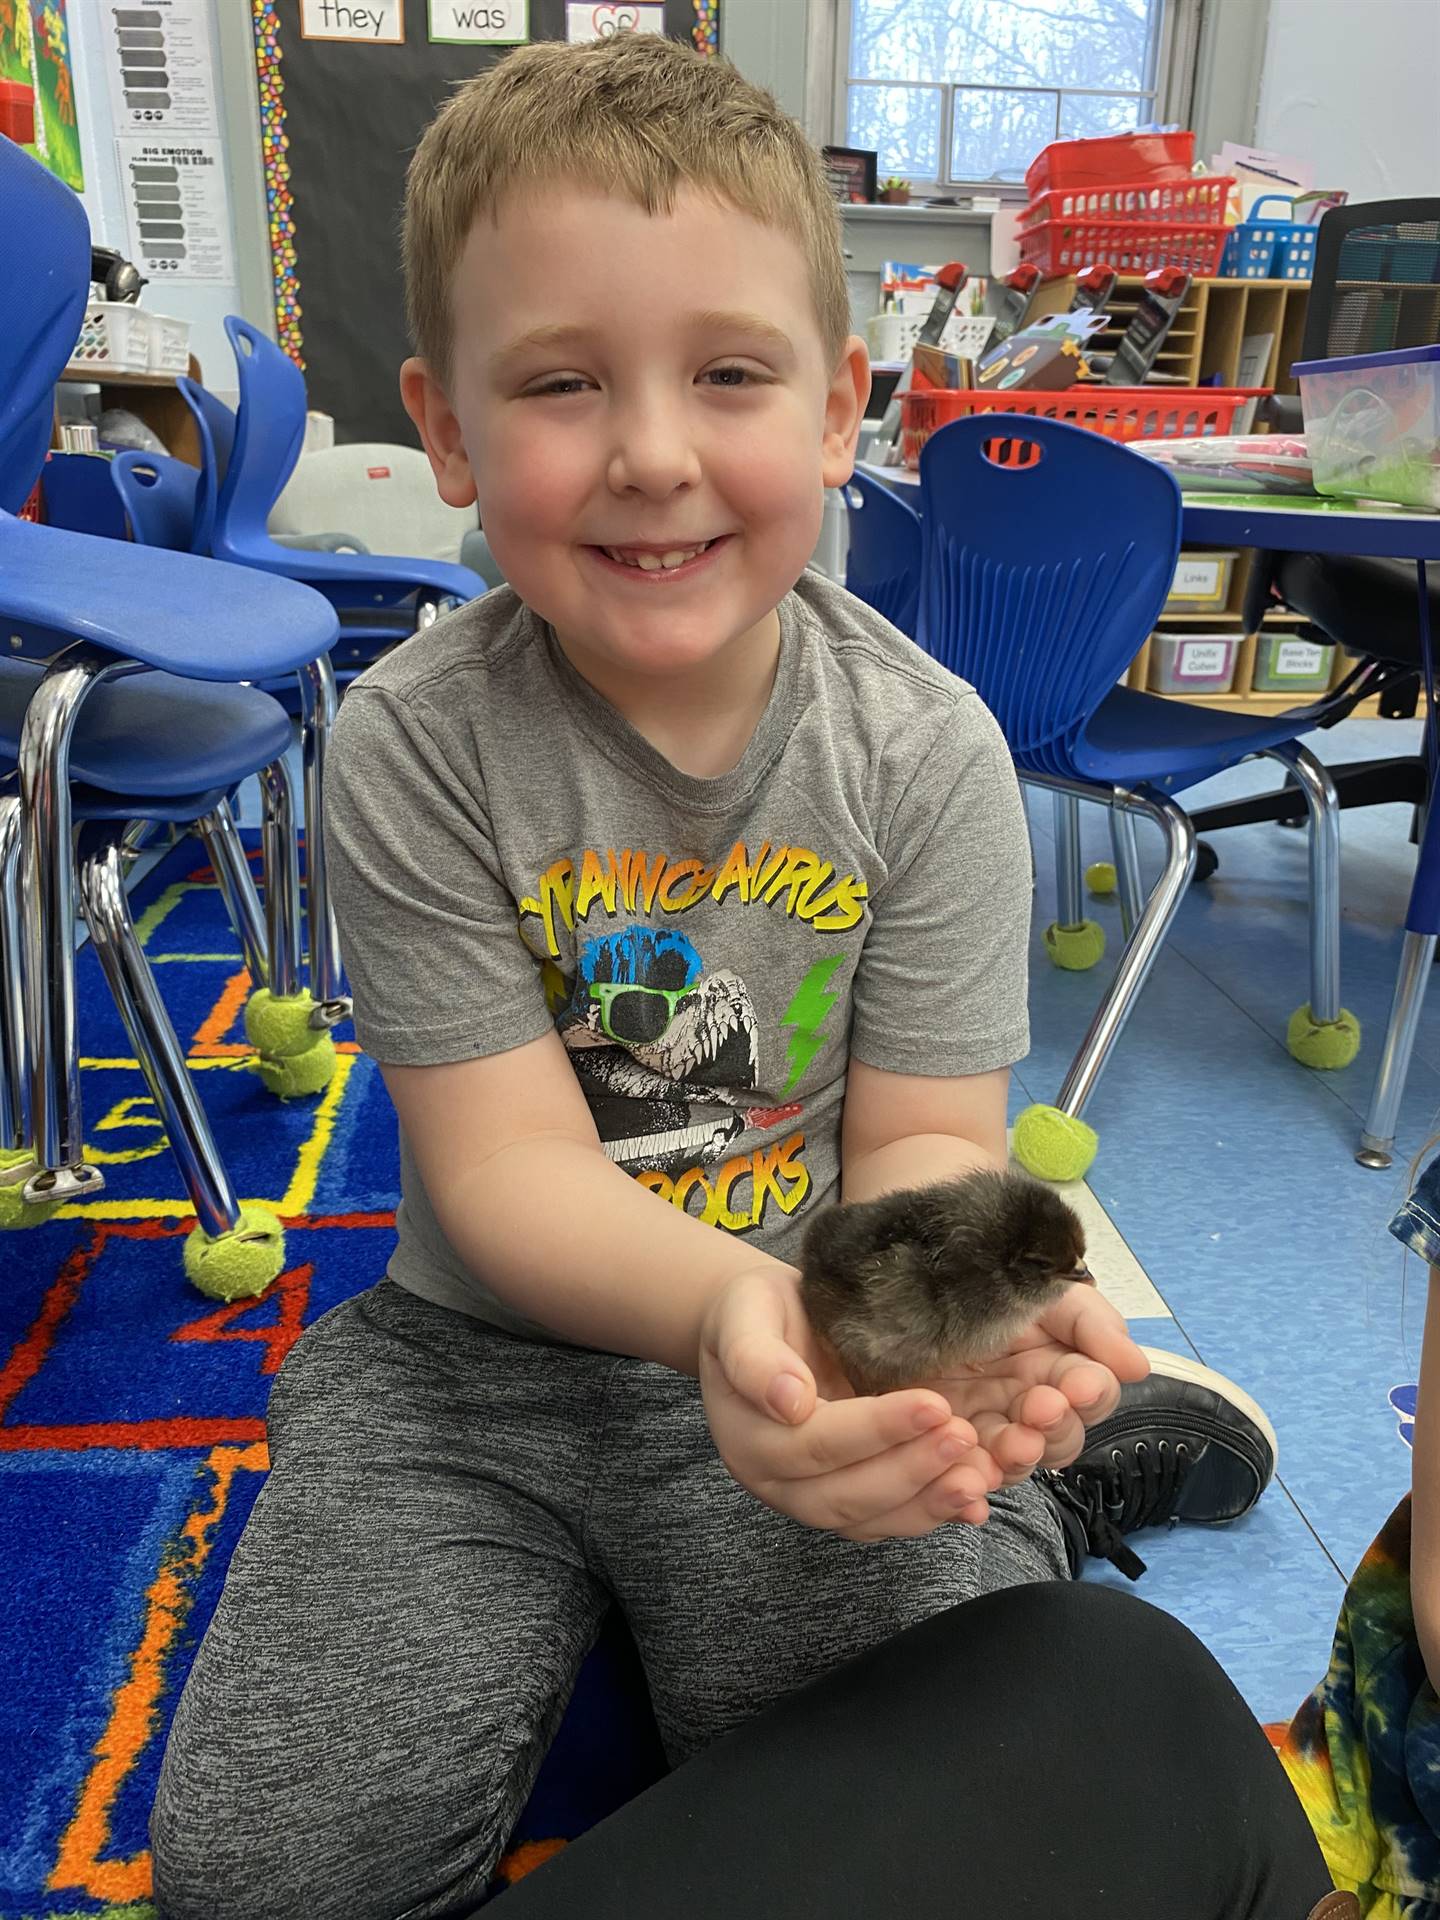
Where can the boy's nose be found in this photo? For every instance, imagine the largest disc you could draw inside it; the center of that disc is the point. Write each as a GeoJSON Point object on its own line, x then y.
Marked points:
{"type": "Point", "coordinates": [653, 453]}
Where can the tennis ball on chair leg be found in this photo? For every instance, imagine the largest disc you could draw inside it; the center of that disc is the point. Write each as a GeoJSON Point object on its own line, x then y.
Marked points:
{"type": "Point", "coordinates": [238, 1264]}
{"type": "Point", "coordinates": [1325, 1045]}
{"type": "Point", "coordinates": [1075, 948]}
{"type": "Point", "coordinates": [1102, 879]}
{"type": "Point", "coordinates": [299, 1073]}
{"type": "Point", "coordinates": [294, 1056]}
{"type": "Point", "coordinates": [1053, 1145]}
{"type": "Point", "coordinates": [16, 1166]}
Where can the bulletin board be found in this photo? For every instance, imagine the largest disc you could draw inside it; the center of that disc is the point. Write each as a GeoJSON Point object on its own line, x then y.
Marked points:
{"type": "Point", "coordinates": [340, 119]}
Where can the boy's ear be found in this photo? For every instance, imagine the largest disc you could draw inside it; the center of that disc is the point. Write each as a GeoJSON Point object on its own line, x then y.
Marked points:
{"type": "Point", "coordinates": [844, 411]}
{"type": "Point", "coordinates": [429, 407]}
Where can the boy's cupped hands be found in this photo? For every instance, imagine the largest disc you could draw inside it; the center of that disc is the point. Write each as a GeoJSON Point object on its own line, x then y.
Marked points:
{"type": "Point", "coordinates": [790, 1428]}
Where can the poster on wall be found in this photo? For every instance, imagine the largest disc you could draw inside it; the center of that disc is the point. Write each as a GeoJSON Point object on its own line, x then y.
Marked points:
{"type": "Point", "coordinates": [586, 21]}
{"type": "Point", "coordinates": [460, 23]}
{"type": "Point", "coordinates": [35, 53]}
{"type": "Point", "coordinates": [161, 66]}
{"type": "Point", "coordinates": [177, 211]}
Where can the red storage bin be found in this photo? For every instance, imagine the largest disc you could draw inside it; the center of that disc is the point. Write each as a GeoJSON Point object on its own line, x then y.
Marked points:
{"type": "Point", "coordinates": [1110, 156]}
{"type": "Point", "coordinates": [1130, 246]}
{"type": "Point", "coordinates": [1192, 202]}
{"type": "Point", "coordinates": [1120, 413]}
{"type": "Point", "coordinates": [17, 112]}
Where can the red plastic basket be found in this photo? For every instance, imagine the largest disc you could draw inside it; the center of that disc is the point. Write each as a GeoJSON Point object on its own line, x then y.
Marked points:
{"type": "Point", "coordinates": [1108, 157]}
{"type": "Point", "coordinates": [1188, 203]}
{"type": "Point", "coordinates": [1121, 413]}
{"type": "Point", "coordinates": [1130, 246]}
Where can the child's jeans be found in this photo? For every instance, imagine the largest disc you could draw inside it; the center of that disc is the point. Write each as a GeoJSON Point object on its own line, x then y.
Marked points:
{"type": "Point", "coordinates": [448, 1515]}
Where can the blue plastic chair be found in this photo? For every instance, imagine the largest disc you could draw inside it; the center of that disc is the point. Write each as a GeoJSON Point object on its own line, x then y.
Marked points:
{"type": "Point", "coordinates": [882, 561]}
{"type": "Point", "coordinates": [269, 433]}
{"type": "Point", "coordinates": [1039, 583]}
{"type": "Point", "coordinates": [150, 748]}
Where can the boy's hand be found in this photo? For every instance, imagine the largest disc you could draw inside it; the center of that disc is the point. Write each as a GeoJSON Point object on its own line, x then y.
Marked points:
{"type": "Point", "coordinates": [1031, 1406]}
{"type": "Point", "coordinates": [789, 1427]}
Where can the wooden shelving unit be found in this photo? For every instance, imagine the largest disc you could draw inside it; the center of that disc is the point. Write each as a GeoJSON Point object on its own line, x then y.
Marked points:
{"type": "Point", "coordinates": [1204, 342]}
{"type": "Point", "coordinates": [152, 397]}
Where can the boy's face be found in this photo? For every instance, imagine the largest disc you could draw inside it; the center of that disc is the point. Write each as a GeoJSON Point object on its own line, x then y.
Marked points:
{"type": "Point", "coordinates": [628, 381]}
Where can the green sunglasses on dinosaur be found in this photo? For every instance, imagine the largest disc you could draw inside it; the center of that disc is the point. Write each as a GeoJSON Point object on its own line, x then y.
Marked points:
{"type": "Point", "coordinates": [632, 1015]}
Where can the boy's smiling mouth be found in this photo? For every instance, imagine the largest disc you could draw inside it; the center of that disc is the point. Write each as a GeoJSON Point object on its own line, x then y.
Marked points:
{"type": "Point", "coordinates": [655, 563]}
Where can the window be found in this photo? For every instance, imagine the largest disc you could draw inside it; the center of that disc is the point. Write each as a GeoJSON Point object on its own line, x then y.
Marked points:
{"type": "Point", "coordinates": [950, 92]}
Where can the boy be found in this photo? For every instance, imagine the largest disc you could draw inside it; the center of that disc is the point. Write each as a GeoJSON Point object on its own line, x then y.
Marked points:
{"type": "Point", "coordinates": [678, 899]}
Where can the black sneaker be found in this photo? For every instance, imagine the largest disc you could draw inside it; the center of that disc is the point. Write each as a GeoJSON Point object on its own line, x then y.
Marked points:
{"type": "Point", "coordinates": [1184, 1444]}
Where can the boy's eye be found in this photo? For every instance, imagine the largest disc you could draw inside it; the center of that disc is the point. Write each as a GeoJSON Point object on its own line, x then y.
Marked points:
{"type": "Point", "coordinates": [732, 376]}
{"type": "Point", "coordinates": [562, 384]}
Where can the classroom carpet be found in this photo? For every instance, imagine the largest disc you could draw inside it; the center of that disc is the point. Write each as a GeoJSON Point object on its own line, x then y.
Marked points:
{"type": "Point", "coordinates": [1226, 1217]}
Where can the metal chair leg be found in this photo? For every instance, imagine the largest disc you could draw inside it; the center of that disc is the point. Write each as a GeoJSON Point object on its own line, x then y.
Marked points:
{"type": "Point", "coordinates": [237, 889]}
{"type": "Point", "coordinates": [1069, 902]}
{"type": "Point", "coordinates": [327, 979]}
{"type": "Point", "coordinates": [1140, 950]}
{"type": "Point", "coordinates": [1127, 868]}
{"type": "Point", "coordinates": [282, 879]}
{"type": "Point", "coordinates": [152, 1035]}
{"type": "Point", "coordinates": [14, 1072]}
{"type": "Point", "coordinates": [1377, 1140]}
{"type": "Point", "coordinates": [48, 911]}
{"type": "Point", "coordinates": [1318, 788]}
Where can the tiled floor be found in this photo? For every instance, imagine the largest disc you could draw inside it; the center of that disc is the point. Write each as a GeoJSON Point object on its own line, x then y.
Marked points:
{"type": "Point", "coordinates": [1228, 1173]}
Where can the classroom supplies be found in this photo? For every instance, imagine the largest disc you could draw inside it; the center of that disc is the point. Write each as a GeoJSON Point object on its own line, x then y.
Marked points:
{"type": "Point", "coordinates": [1372, 423]}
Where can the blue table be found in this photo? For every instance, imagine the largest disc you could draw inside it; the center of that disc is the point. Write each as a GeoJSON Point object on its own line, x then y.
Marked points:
{"type": "Point", "coordinates": [1395, 534]}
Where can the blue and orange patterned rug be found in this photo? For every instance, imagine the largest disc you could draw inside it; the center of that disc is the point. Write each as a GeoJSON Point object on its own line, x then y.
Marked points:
{"type": "Point", "coordinates": [132, 1438]}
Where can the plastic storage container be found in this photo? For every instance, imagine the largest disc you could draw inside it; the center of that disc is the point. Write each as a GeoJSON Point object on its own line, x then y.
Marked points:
{"type": "Point", "coordinates": [1192, 663]}
{"type": "Point", "coordinates": [114, 338]}
{"type": "Point", "coordinates": [1110, 156]}
{"type": "Point", "coordinates": [1130, 246]}
{"type": "Point", "coordinates": [169, 344]}
{"type": "Point", "coordinates": [891, 336]}
{"type": "Point", "coordinates": [1120, 413]}
{"type": "Point", "coordinates": [1372, 423]}
{"type": "Point", "coordinates": [1195, 202]}
{"type": "Point", "coordinates": [1201, 584]}
{"type": "Point", "coordinates": [1261, 249]}
{"type": "Point", "coordinates": [1286, 663]}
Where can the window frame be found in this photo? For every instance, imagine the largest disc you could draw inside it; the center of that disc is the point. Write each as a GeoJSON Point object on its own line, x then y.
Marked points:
{"type": "Point", "coordinates": [1176, 57]}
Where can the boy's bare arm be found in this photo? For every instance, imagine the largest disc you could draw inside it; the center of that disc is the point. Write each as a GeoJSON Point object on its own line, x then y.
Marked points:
{"type": "Point", "coordinates": [520, 1183]}
{"type": "Point", "coordinates": [906, 1130]}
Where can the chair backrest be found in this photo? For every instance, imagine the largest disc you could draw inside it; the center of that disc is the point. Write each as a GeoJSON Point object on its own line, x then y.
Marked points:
{"type": "Point", "coordinates": [159, 496]}
{"type": "Point", "coordinates": [1376, 279]}
{"type": "Point", "coordinates": [269, 432]}
{"type": "Point", "coordinates": [1040, 582]}
{"type": "Point", "coordinates": [215, 436]}
{"type": "Point", "coordinates": [45, 245]}
{"type": "Point", "coordinates": [882, 559]}
{"type": "Point", "coordinates": [384, 494]}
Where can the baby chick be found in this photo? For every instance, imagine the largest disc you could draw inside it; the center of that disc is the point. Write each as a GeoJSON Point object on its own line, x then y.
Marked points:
{"type": "Point", "coordinates": [910, 1286]}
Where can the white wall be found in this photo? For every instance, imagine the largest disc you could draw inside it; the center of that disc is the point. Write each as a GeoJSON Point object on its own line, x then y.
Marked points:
{"type": "Point", "coordinates": [203, 305]}
{"type": "Point", "coordinates": [1351, 85]}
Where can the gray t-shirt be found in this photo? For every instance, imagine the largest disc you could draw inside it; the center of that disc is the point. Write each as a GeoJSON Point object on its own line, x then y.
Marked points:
{"type": "Point", "coordinates": [509, 855]}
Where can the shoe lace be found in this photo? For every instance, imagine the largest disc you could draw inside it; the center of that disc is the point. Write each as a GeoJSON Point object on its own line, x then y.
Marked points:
{"type": "Point", "coordinates": [1132, 1486]}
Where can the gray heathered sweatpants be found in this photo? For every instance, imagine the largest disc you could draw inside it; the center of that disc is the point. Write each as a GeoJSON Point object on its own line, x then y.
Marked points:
{"type": "Point", "coordinates": [449, 1513]}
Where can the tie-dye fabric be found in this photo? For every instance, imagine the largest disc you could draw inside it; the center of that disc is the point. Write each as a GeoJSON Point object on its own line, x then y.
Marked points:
{"type": "Point", "coordinates": [1363, 1753]}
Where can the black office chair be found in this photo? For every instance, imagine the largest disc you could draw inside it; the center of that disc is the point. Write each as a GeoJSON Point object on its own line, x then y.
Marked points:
{"type": "Point", "coordinates": [1376, 286]}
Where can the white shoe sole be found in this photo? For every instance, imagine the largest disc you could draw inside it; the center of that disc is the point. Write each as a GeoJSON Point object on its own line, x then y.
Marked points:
{"type": "Point", "coordinates": [1176, 1367]}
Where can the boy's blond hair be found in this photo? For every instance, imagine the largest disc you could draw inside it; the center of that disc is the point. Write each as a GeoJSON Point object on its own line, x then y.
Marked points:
{"type": "Point", "coordinates": [635, 113]}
